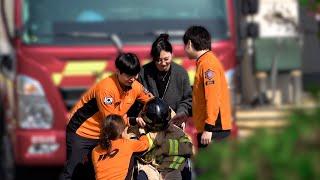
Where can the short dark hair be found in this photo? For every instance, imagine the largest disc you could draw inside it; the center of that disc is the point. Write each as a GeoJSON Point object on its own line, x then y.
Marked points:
{"type": "Point", "coordinates": [128, 63]}
{"type": "Point", "coordinates": [161, 43]}
{"type": "Point", "coordinates": [199, 37]}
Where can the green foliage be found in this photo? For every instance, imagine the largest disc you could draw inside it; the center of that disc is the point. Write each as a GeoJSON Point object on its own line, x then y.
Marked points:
{"type": "Point", "coordinates": [289, 153]}
{"type": "Point", "coordinates": [310, 4]}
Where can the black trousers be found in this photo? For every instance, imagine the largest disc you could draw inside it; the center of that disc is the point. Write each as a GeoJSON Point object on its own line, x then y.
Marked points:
{"type": "Point", "coordinates": [216, 136]}
{"type": "Point", "coordinates": [79, 164]}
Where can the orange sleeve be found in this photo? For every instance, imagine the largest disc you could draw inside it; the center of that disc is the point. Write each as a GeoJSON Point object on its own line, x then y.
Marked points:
{"type": "Point", "coordinates": [143, 95]}
{"type": "Point", "coordinates": [211, 82]}
{"type": "Point", "coordinates": [140, 145]}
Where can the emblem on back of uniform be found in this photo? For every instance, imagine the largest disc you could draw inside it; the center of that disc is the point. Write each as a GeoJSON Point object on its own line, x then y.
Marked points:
{"type": "Point", "coordinates": [209, 74]}
{"type": "Point", "coordinates": [108, 100]}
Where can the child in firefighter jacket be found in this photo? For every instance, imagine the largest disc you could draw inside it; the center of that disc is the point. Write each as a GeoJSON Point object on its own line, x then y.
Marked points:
{"type": "Point", "coordinates": [170, 148]}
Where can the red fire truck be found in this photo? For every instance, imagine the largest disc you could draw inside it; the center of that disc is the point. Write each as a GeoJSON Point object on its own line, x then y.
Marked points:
{"type": "Point", "coordinates": [60, 48]}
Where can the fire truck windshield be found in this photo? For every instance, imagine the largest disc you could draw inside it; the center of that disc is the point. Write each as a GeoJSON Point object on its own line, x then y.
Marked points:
{"type": "Point", "coordinates": [135, 21]}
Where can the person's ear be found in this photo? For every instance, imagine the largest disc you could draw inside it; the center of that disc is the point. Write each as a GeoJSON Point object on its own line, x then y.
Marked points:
{"type": "Point", "coordinates": [117, 72]}
{"type": "Point", "coordinates": [189, 44]}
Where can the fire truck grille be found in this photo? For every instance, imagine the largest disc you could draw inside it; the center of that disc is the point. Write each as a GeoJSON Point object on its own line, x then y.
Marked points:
{"type": "Point", "coordinates": [71, 96]}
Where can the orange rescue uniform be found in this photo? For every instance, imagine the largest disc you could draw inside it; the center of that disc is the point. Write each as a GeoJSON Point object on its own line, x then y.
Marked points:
{"type": "Point", "coordinates": [118, 164]}
{"type": "Point", "coordinates": [211, 106]}
{"type": "Point", "coordinates": [106, 97]}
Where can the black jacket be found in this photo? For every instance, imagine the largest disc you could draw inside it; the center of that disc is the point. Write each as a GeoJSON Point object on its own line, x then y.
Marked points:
{"type": "Point", "coordinates": [178, 94]}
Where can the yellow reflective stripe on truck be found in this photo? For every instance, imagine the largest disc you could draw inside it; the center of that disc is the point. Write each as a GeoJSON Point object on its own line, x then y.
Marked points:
{"type": "Point", "coordinates": [177, 60]}
{"type": "Point", "coordinates": [191, 74]}
{"type": "Point", "coordinates": [75, 68]}
{"type": "Point", "coordinates": [97, 67]}
{"type": "Point", "coordinates": [56, 77]}
{"type": "Point", "coordinates": [82, 68]}
{"type": "Point", "coordinates": [103, 75]}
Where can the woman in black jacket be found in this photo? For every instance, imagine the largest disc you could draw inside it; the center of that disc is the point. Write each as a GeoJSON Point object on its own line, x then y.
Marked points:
{"type": "Point", "coordinates": [167, 80]}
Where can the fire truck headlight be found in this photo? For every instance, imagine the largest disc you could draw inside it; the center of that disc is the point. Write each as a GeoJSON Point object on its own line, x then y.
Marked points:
{"type": "Point", "coordinates": [34, 110]}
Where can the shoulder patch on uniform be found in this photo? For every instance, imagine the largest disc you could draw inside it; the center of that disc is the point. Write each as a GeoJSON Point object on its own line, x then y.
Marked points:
{"type": "Point", "coordinates": [209, 82]}
{"type": "Point", "coordinates": [209, 74]}
{"type": "Point", "coordinates": [108, 100]}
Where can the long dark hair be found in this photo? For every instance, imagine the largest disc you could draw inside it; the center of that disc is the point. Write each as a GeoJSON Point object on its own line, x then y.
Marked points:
{"type": "Point", "coordinates": [112, 128]}
{"type": "Point", "coordinates": [161, 43]}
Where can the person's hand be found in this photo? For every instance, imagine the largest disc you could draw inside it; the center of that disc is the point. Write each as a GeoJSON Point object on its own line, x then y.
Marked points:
{"type": "Point", "coordinates": [140, 122]}
{"type": "Point", "coordinates": [142, 131]}
{"type": "Point", "coordinates": [206, 137]}
{"type": "Point", "coordinates": [179, 118]}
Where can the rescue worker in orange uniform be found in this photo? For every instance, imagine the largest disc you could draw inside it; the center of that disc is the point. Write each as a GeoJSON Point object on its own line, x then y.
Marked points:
{"type": "Point", "coordinates": [112, 95]}
{"type": "Point", "coordinates": [211, 106]}
{"type": "Point", "coordinates": [114, 156]}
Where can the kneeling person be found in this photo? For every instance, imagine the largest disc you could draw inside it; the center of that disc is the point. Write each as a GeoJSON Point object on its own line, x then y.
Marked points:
{"type": "Point", "coordinates": [113, 157]}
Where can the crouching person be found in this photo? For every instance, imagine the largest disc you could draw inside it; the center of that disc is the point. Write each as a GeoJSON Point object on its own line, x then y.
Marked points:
{"type": "Point", "coordinates": [113, 157]}
{"type": "Point", "coordinates": [170, 148]}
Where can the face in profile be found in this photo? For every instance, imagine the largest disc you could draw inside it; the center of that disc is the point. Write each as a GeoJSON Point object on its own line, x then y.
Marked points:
{"type": "Point", "coordinates": [164, 61]}
{"type": "Point", "coordinates": [126, 80]}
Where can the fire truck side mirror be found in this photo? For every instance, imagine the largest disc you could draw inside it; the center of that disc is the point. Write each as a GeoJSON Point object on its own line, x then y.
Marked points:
{"type": "Point", "coordinates": [249, 30]}
{"type": "Point", "coordinates": [249, 7]}
{"type": "Point", "coordinates": [252, 30]}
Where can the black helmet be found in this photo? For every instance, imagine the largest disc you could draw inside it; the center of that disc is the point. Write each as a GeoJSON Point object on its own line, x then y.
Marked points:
{"type": "Point", "coordinates": [156, 114]}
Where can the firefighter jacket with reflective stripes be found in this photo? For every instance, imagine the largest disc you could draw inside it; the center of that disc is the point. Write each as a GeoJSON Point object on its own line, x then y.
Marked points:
{"type": "Point", "coordinates": [169, 150]}
{"type": "Point", "coordinates": [117, 164]}
{"type": "Point", "coordinates": [104, 98]}
{"type": "Point", "coordinates": [211, 106]}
